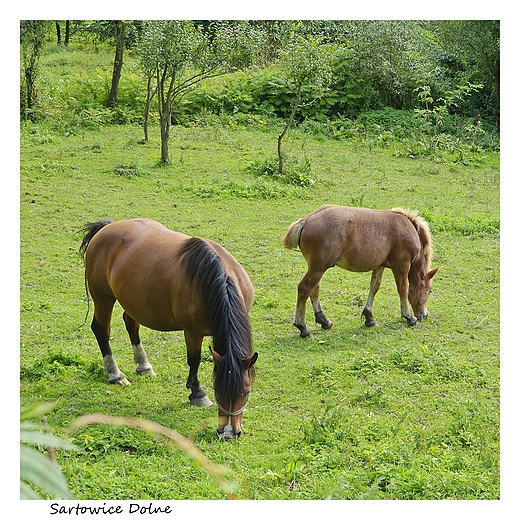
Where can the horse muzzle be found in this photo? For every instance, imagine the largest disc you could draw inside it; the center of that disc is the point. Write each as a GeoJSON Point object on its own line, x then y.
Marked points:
{"type": "Point", "coordinates": [230, 426]}
{"type": "Point", "coordinates": [423, 315]}
{"type": "Point", "coordinates": [227, 434]}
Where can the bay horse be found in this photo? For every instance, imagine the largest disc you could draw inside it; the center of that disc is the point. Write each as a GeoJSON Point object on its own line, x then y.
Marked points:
{"type": "Point", "coordinates": [168, 281]}
{"type": "Point", "coordinates": [361, 240]}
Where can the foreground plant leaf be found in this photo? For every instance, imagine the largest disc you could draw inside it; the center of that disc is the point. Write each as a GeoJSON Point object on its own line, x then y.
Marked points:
{"type": "Point", "coordinates": [180, 442]}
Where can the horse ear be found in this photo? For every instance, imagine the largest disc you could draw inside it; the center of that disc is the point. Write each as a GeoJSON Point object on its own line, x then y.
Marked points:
{"type": "Point", "coordinates": [216, 356]}
{"type": "Point", "coordinates": [250, 361]}
{"type": "Point", "coordinates": [431, 274]}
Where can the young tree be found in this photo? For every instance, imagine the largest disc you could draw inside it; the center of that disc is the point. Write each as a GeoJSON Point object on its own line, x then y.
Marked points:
{"type": "Point", "coordinates": [307, 65]}
{"type": "Point", "coordinates": [179, 54]}
{"type": "Point", "coordinates": [32, 38]}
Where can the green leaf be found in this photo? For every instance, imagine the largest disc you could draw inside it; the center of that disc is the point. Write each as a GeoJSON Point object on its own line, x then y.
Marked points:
{"type": "Point", "coordinates": [27, 493]}
{"type": "Point", "coordinates": [46, 440]}
{"type": "Point", "coordinates": [36, 410]}
{"type": "Point", "coordinates": [40, 471]}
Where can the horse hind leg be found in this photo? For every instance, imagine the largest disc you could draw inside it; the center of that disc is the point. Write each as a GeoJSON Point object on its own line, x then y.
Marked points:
{"type": "Point", "coordinates": [318, 309]}
{"type": "Point", "coordinates": [101, 329]}
{"type": "Point", "coordinates": [307, 286]}
{"type": "Point", "coordinates": [140, 358]}
{"type": "Point", "coordinates": [375, 283]}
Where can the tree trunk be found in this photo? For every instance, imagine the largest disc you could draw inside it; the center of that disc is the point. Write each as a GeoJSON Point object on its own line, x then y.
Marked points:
{"type": "Point", "coordinates": [118, 63]}
{"type": "Point", "coordinates": [165, 135]}
{"type": "Point", "coordinates": [30, 71]}
{"type": "Point", "coordinates": [295, 106]}
{"type": "Point", "coordinates": [58, 33]}
{"type": "Point", "coordinates": [67, 32]}
{"type": "Point", "coordinates": [165, 110]}
{"type": "Point", "coordinates": [149, 96]}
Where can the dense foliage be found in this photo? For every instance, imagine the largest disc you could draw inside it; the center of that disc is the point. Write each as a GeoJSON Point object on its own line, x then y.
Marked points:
{"type": "Point", "coordinates": [382, 65]}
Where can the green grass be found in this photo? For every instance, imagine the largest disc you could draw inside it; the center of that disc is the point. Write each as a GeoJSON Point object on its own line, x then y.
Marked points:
{"type": "Point", "coordinates": [355, 413]}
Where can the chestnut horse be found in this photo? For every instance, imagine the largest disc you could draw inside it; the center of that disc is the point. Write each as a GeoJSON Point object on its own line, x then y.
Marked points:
{"type": "Point", "coordinates": [169, 281]}
{"type": "Point", "coordinates": [361, 240]}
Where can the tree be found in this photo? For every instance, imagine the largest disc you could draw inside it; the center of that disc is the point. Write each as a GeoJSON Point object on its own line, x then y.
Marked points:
{"type": "Point", "coordinates": [307, 64]}
{"type": "Point", "coordinates": [32, 38]}
{"type": "Point", "coordinates": [118, 62]}
{"type": "Point", "coordinates": [474, 46]}
{"type": "Point", "coordinates": [179, 54]}
{"type": "Point", "coordinates": [385, 62]}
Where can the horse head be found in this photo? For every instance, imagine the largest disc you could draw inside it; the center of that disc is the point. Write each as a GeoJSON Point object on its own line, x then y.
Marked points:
{"type": "Point", "coordinates": [419, 290]}
{"type": "Point", "coordinates": [231, 405]}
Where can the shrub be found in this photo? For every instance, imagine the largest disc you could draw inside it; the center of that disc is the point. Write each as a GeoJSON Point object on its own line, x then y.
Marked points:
{"type": "Point", "coordinates": [295, 173]}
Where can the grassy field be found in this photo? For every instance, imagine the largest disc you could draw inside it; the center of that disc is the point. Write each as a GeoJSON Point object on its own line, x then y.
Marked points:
{"type": "Point", "coordinates": [354, 413]}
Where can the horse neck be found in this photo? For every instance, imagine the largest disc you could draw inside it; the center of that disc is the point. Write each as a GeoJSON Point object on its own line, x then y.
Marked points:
{"type": "Point", "coordinates": [229, 322]}
{"type": "Point", "coordinates": [232, 339]}
{"type": "Point", "coordinates": [226, 314]}
{"type": "Point", "coordinates": [417, 269]}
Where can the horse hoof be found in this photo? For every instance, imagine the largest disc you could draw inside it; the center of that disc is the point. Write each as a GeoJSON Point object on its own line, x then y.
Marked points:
{"type": "Point", "coordinates": [119, 380]}
{"type": "Point", "coordinates": [145, 370]}
{"type": "Point", "coordinates": [327, 325]}
{"type": "Point", "coordinates": [201, 401]}
{"type": "Point", "coordinates": [304, 331]}
{"type": "Point", "coordinates": [411, 321]}
{"type": "Point", "coordinates": [369, 318]}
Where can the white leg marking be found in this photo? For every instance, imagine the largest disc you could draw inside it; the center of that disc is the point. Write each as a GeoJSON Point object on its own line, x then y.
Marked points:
{"type": "Point", "coordinates": [143, 365]}
{"type": "Point", "coordinates": [112, 371]}
{"type": "Point", "coordinates": [316, 305]}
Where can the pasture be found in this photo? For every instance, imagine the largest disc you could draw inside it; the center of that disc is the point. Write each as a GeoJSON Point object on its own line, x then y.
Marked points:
{"type": "Point", "coordinates": [391, 412]}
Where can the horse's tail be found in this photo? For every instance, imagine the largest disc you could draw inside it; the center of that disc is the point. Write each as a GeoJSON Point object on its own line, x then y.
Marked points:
{"type": "Point", "coordinates": [226, 313]}
{"type": "Point", "coordinates": [423, 230]}
{"type": "Point", "coordinates": [90, 229]}
{"type": "Point", "coordinates": [291, 240]}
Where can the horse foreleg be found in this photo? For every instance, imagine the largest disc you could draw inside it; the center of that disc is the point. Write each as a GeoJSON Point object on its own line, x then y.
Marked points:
{"type": "Point", "coordinates": [375, 283]}
{"type": "Point", "coordinates": [198, 396]}
{"type": "Point", "coordinates": [402, 288]}
{"type": "Point", "coordinates": [101, 329]}
{"type": "Point", "coordinates": [318, 309]}
{"type": "Point", "coordinates": [140, 359]}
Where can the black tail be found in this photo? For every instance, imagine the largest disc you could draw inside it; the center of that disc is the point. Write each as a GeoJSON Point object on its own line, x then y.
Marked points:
{"type": "Point", "coordinates": [226, 312]}
{"type": "Point", "coordinates": [90, 229]}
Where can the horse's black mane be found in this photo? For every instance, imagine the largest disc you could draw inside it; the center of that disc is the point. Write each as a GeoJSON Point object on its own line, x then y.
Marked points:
{"type": "Point", "coordinates": [226, 314]}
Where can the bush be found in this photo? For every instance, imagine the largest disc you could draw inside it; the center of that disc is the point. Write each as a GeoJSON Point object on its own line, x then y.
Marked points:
{"type": "Point", "coordinates": [295, 173]}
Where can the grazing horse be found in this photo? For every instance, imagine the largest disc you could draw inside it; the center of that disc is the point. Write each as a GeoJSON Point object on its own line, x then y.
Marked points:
{"type": "Point", "coordinates": [361, 240]}
{"type": "Point", "coordinates": [169, 281]}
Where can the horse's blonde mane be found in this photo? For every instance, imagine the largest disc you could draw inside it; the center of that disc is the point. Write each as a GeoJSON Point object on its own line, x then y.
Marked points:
{"type": "Point", "coordinates": [422, 229]}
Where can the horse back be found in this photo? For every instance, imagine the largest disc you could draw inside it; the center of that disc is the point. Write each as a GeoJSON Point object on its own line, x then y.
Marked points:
{"type": "Point", "coordinates": [138, 263]}
{"type": "Point", "coordinates": [357, 239]}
